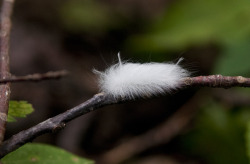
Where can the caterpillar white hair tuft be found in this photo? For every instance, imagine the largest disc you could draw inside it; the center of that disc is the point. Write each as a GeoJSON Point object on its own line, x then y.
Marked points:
{"type": "Point", "coordinates": [134, 80]}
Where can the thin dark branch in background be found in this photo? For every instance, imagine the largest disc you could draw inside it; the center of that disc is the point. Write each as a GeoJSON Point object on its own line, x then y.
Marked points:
{"type": "Point", "coordinates": [157, 136]}
{"type": "Point", "coordinates": [5, 26]}
{"type": "Point", "coordinates": [58, 122]}
{"type": "Point", "coordinates": [35, 77]}
{"type": "Point", "coordinates": [232, 98]}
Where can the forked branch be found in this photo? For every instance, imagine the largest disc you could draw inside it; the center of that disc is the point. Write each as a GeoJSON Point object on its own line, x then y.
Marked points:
{"type": "Point", "coordinates": [99, 100]}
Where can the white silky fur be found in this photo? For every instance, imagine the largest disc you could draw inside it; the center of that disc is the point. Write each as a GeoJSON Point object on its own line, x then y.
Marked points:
{"type": "Point", "coordinates": [133, 80]}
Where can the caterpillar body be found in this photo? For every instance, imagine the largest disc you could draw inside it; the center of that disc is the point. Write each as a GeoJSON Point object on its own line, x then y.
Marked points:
{"type": "Point", "coordinates": [134, 80]}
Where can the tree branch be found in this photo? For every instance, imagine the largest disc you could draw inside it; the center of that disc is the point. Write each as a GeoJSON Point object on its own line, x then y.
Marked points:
{"type": "Point", "coordinates": [99, 100]}
{"type": "Point", "coordinates": [216, 81]}
{"type": "Point", "coordinates": [35, 77]}
{"type": "Point", "coordinates": [54, 124]}
{"type": "Point", "coordinates": [5, 26]}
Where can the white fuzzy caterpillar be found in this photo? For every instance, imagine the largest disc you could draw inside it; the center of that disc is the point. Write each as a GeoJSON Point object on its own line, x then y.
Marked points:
{"type": "Point", "coordinates": [133, 80]}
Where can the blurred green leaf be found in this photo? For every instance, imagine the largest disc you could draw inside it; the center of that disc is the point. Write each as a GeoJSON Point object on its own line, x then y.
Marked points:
{"type": "Point", "coordinates": [42, 154]}
{"type": "Point", "coordinates": [18, 109]}
{"type": "Point", "coordinates": [87, 16]}
{"type": "Point", "coordinates": [234, 59]}
{"type": "Point", "coordinates": [195, 22]}
{"type": "Point", "coordinates": [218, 137]}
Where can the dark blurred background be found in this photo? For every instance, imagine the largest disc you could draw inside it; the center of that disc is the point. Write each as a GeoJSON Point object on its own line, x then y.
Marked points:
{"type": "Point", "coordinates": [199, 125]}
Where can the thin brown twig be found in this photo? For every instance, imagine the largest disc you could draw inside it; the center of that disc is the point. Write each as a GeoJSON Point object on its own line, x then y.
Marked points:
{"type": "Point", "coordinates": [58, 122]}
{"type": "Point", "coordinates": [5, 27]}
{"type": "Point", "coordinates": [216, 81]}
{"type": "Point", "coordinates": [35, 77]}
